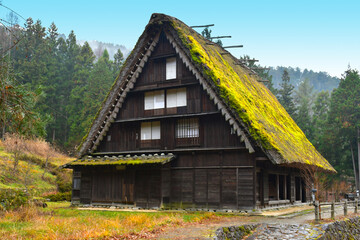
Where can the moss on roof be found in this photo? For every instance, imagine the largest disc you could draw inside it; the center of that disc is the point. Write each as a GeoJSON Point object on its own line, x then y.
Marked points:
{"type": "Point", "coordinates": [121, 160]}
{"type": "Point", "coordinates": [267, 121]}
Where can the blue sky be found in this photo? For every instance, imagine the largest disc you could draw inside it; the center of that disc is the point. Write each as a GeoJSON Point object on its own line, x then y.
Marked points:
{"type": "Point", "coordinates": [318, 35]}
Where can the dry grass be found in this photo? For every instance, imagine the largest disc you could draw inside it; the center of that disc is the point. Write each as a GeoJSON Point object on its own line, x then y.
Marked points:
{"type": "Point", "coordinates": [59, 222]}
{"type": "Point", "coordinates": [34, 147]}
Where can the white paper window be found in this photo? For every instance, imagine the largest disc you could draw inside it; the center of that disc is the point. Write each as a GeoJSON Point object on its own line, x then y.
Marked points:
{"type": "Point", "coordinates": [146, 131]}
{"type": "Point", "coordinates": [170, 68]}
{"type": "Point", "coordinates": [176, 97]}
{"type": "Point", "coordinates": [150, 130]}
{"type": "Point", "coordinates": [154, 100]}
{"type": "Point", "coordinates": [159, 99]}
{"type": "Point", "coordinates": [187, 128]}
{"type": "Point", "coordinates": [149, 100]}
{"type": "Point", "coordinates": [155, 130]}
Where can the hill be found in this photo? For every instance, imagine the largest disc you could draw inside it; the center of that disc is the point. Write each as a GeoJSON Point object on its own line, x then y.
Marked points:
{"type": "Point", "coordinates": [32, 166]}
{"type": "Point", "coordinates": [321, 81]}
{"type": "Point", "coordinates": [99, 47]}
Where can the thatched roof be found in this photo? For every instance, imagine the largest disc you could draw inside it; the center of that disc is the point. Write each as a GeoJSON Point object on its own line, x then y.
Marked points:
{"type": "Point", "coordinates": [249, 107]}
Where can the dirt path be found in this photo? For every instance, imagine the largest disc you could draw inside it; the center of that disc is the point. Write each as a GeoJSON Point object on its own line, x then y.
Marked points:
{"type": "Point", "coordinates": [206, 230]}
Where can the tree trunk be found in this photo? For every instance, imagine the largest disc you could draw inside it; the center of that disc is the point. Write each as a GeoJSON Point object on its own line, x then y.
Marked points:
{"type": "Point", "coordinates": [354, 166]}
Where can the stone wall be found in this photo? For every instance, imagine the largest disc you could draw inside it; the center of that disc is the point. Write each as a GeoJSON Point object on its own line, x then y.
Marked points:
{"type": "Point", "coordinates": [234, 232]}
{"type": "Point", "coordinates": [347, 229]}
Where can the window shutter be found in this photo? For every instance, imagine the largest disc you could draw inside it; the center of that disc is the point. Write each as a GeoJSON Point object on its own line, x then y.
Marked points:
{"type": "Point", "coordinates": [181, 97]}
{"type": "Point", "coordinates": [171, 98]}
{"type": "Point", "coordinates": [145, 130]}
{"type": "Point", "coordinates": [159, 99]}
{"type": "Point", "coordinates": [149, 100]}
{"type": "Point", "coordinates": [170, 68]}
{"type": "Point", "coordinates": [155, 130]}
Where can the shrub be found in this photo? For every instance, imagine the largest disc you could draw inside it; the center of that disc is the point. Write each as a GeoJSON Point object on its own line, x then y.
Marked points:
{"type": "Point", "coordinates": [60, 196]}
{"type": "Point", "coordinates": [11, 199]}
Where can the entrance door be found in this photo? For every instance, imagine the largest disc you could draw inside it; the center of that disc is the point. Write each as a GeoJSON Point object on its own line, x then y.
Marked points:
{"type": "Point", "coordinates": [113, 187]}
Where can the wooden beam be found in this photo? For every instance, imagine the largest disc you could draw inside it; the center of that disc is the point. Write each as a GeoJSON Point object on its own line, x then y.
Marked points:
{"type": "Point", "coordinates": [170, 151]}
{"type": "Point", "coordinates": [249, 60]}
{"type": "Point", "coordinates": [167, 116]}
{"type": "Point", "coordinates": [259, 68]}
{"type": "Point", "coordinates": [213, 167]}
{"type": "Point", "coordinates": [220, 37]}
{"type": "Point", "coordinates": [203, 26]}
{"type": "Point", "coordinates": [235, 46]}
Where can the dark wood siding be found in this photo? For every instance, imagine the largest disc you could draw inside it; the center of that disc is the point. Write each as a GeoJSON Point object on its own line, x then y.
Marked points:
{"type": "Point", "coordinates": [148, 188]}
{"type": "Point", "coordinates": [112, 186]}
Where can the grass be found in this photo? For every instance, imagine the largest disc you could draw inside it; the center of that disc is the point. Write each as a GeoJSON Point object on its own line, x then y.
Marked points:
{"type": "Point", "coordinates": [60, 221]}
{"type": "Point", "coordinates": [30, 170]}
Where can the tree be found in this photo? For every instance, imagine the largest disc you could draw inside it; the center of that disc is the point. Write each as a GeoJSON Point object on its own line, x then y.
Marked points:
{"type": "Point", "coordinates": [304, 98]}
{"type": "Point", "coordinates": [261, 72]}
{"type": "Point", "coordinates": [81, 78]}
{"type": "Point", "coordinates": [285, 94]}
{"type": "Point", "coordinates": [17, 106]}
{"type": "Point", "coordinates": [118, 62]}
{"type": "Point", "coordinates": [206, 33]}
{"type": "Point", "coordinates": [344, 119]}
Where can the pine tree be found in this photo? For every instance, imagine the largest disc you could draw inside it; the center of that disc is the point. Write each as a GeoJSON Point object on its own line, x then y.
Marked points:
{"type": "Point", "coordinates": [344, 122]}
{"type": "Point", "coordinates": [304, 99]}
{"type": "Point", "coordinates": [83, 68]}
{"type": "Point", "coordinates": [285, 94]}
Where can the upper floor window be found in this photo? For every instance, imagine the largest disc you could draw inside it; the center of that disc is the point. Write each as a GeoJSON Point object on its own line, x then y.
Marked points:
{"type": "Point", "coordinates": [154, 100]}
{"type": "Point", "coordinates": [187, 128]}
{"type": "Point", "coordinates": [176, 97]}
{"type": "Point", "coordinates": [170, 68]}
{"type": "Point", "coordinates": [150, 130]}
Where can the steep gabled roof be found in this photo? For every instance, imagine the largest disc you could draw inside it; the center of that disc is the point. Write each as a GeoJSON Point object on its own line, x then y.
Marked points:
{"type": "Point", "coordinates": [249, 107]}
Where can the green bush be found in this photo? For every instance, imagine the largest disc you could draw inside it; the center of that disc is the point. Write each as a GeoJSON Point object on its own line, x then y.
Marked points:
{"type": "Point", "coordinates": [12, 199]}
{"type": "Point", "coordinates": [61, 196]}
{"type": "Point", "coordinates": [64, 185]}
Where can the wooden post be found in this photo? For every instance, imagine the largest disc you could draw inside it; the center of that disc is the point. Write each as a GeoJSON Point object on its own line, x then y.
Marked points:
{"type": "Point", "coordinates": [356, 206]}
{"type": "Point", "coordinates": [317, 217]}
{"type": "Point", "coordinates": [333, 210]}
{"type": "Point", "coordinates": [345, 208]}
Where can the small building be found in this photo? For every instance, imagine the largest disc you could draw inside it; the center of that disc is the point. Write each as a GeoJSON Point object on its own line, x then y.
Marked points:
{"type": "Point", "coordinates": [186, 125]}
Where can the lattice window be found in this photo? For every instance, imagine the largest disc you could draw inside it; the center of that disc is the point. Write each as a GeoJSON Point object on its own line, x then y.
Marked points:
{"type": "Point", "coordinates": [187, 128]}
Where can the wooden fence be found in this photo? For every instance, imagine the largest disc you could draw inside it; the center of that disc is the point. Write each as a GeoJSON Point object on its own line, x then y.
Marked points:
{"type": "Point", "coordinates": [345, 205]}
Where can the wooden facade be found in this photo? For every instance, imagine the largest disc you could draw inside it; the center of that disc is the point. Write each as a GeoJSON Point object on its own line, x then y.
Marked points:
{"type": "Point", "coordinates": [212, 166]}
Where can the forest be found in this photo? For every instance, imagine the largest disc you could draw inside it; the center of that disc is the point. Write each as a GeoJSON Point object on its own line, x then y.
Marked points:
{"type": "Point", "coordinates": [51, 87]}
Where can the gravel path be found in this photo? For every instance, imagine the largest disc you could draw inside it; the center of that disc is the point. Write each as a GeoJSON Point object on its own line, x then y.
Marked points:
{"type": "Point", "coordinates": [279, 227]}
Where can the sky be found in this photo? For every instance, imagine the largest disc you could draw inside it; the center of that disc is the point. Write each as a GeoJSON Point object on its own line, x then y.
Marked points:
{"type": "Point", "coordinates": [313, 34]}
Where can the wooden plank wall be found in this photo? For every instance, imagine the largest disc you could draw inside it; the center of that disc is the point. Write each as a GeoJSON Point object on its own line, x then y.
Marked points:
{"type": "Point", "coordinates": [148, 187]}
{"type": "Point", "coordinates": [212, 180]}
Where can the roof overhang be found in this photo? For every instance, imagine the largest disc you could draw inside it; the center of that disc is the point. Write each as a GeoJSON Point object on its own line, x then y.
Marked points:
{"type": "Point", "coordinates": [159, 159]}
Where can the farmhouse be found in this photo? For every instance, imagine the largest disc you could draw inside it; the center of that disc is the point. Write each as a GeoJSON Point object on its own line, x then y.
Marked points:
{"type": "Point", "coordinates": [186, 125]}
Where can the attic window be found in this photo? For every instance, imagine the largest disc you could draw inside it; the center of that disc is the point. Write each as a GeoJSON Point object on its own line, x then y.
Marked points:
{"type": "Point", "coordinates": [154, 100]}
{"type": "Point", "coordinates": [176, 97]}
{"type": "Point", "coordinates": [170, 68]}
{"type": "Point", "coordinates": [150, 130]}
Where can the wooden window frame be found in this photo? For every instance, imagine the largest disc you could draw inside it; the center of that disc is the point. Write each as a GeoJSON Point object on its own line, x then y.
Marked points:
{"type": "Point", "coordinates": [187, 132]}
